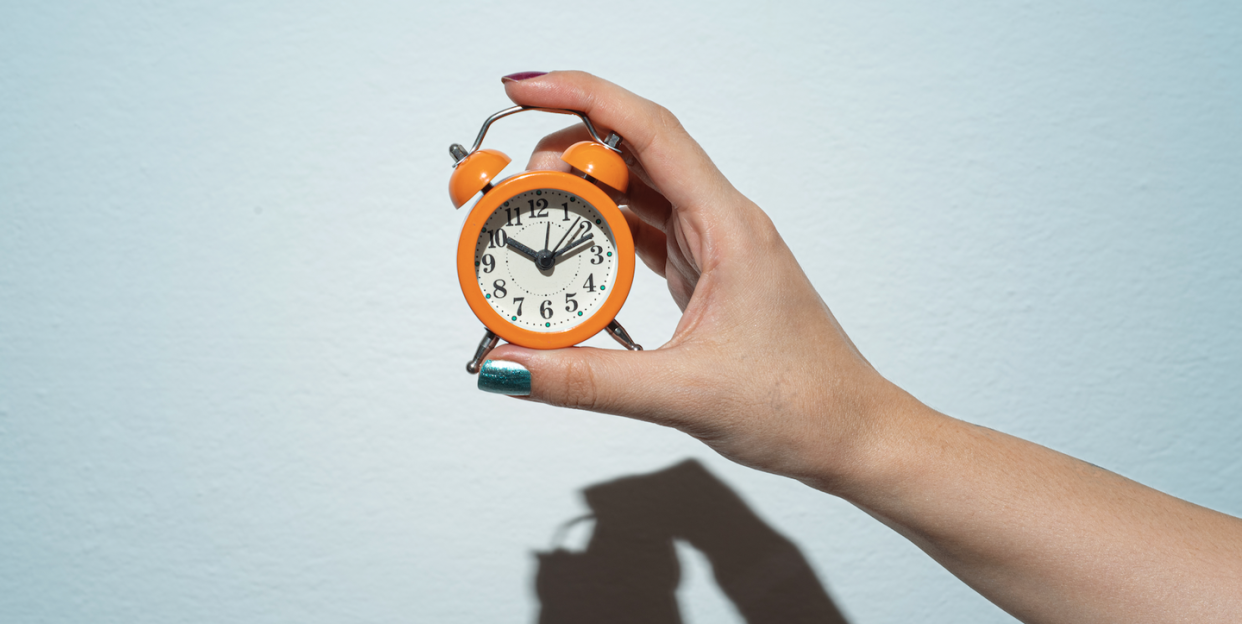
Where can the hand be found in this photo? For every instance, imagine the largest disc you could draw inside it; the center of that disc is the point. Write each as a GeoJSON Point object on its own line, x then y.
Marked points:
{"type": "Point", "coordinates": [572, 228]}
{"type": "Point", "coordinates": [757, 368]}
{"type": "Point", "coordinates": [556, 257]}
{"type": "Point", "coordinates": [760, 370]}
{"type": "Point", "coordinates": [569, 231]}
{"type": "Point", "coordinates": [523, 249]}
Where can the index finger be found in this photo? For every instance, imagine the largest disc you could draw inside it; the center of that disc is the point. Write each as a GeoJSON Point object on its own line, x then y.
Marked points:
{"type": "Point", "coordinates": [677, 165]}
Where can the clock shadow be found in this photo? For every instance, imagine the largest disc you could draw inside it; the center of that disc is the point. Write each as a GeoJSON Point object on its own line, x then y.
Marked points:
{"type": "Point", "coordinates": [629, 570]}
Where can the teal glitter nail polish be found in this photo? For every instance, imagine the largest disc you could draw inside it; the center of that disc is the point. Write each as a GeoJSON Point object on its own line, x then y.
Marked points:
{"type": "Point", "coordinates": [501, 377]}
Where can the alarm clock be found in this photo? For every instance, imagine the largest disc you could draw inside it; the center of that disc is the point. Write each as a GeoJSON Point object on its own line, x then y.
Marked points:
{"type": "Point", "coordinates": [545, 258]}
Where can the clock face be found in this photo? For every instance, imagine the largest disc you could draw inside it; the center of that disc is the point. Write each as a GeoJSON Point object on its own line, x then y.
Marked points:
{"type": "Point", "coordinates": [545, 260]}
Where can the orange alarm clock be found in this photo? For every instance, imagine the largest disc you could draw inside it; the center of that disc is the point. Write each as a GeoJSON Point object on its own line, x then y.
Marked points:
{"type": "Point", "coordinates": [545, 258]}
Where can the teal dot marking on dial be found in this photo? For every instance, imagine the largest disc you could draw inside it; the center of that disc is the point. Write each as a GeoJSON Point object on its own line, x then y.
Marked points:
{"type": "Point", "coordinates": [610, 254]}
{"type": "Point", "coordinates": [489, 296]}
{"type": "Point", "coordinates": [597, 221]}
{"type": "Point", "coordinates": [547, 324]}
{"type": "Point", "coordinates": [579, 314]}
{"type": "Point", "coordinates": [513, 318]}
{"type": "Point", "coordinates": [601, 287]}
{"type": "Point", "coordinates": [539, 192]}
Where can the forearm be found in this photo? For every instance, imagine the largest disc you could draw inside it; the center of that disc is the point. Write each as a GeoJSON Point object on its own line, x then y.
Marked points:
{"type": "Point", "coordinates": [1046, 537]}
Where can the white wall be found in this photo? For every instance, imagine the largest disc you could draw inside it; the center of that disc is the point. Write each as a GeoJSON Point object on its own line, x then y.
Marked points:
{"type": "Point", "coordinates": [231, 341]}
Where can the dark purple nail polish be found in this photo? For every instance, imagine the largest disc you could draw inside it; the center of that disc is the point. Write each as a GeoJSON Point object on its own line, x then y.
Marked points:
{"type": "Point", "coordinates": [521, 76]}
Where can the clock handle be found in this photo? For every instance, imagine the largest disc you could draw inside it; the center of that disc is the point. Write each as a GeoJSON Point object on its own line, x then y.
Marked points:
{"type": "Point", "coordinates": [618, 332]}
{"type": "Point", "coordinates": [485, 346]}
{"type": "Point", "coordinates": [478, 141]}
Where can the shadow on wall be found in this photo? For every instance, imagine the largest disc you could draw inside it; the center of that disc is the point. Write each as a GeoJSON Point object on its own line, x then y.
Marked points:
{"type": "Point", "coordinates": [629, 570]}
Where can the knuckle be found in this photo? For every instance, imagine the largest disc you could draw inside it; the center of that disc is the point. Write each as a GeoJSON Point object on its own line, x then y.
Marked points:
{"type": "Point", "coordinates": [764, 229]}
{"type": "Point", "coordinates": [578, 388]}
{"type": "Point", "coordinates": [657, 124]}
{"type": "Point", "coordinates": [545, 144]}
{"type": "Point", "coordinates": [666, 120]}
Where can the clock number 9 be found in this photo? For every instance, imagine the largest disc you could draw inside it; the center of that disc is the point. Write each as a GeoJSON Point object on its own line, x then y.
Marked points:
{"type": "Point", "coordinates": [599, 254]}
{"type": "Point", "coordinates": [545, 309]}
{"type": "Point", "coordinates": [499, 292]}
{"type": "Point", "coordinates": [489, 263]}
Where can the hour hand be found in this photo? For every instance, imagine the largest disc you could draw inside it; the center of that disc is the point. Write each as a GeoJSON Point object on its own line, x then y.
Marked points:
{"type": "Point", "coordinates": [572, 246]}
{"type": "Point", "coordinates": [523, 249]}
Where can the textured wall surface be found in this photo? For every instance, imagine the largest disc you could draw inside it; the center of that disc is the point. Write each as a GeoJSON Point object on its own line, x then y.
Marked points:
{"type": "Point", "coordinates": [231, 340]}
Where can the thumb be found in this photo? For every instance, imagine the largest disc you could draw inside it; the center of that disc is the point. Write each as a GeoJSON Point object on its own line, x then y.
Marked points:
{"type": "Point", "coordinates": [638, 384]}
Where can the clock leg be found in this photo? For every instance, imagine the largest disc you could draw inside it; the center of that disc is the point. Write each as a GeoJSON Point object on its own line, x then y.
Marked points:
{"type": "Point", "coordinates": [618, 332]}
{"type": "Point", "coordinates": [485, 346]}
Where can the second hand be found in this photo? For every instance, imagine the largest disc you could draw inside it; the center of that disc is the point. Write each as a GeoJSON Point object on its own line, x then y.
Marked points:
{"type": "Point", "coordinates": [571, 228]}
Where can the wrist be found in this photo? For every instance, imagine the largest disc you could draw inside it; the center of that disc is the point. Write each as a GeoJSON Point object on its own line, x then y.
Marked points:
{"type": "Point", "coordinates": [876, 449]}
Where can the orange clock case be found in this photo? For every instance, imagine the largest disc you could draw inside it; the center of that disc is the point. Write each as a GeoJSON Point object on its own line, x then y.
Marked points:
{"type": "Point", "coordinates": [529, 181]}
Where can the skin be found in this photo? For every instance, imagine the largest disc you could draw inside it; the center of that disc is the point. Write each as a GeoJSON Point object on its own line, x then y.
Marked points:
{"type": "Point", "coordinates": [759, 370]}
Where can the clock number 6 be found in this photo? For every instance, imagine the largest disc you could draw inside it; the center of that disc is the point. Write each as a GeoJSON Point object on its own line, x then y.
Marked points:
{"type": "Point", "coordinates": [545, 309]}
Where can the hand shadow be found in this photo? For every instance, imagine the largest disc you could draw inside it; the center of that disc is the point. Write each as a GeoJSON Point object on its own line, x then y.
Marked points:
{"type": "Point", "coordinates": [629, 569]}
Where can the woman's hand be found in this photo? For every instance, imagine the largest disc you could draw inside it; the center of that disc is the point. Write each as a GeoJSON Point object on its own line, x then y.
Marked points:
{"type": "Point", "coordinates": [760, 370]}
{"type": "Point", "coordinates": [757, 368]}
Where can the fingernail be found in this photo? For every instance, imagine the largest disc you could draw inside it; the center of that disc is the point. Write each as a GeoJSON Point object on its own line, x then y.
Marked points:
{"type": "Point", "coordinates": [501, 377]}
{"type": "Point", "coordinates": [521, 76]}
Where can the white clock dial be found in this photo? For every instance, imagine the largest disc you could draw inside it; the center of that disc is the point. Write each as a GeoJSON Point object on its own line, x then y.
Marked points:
{"type": "Point", "coordinates": [546, 260]}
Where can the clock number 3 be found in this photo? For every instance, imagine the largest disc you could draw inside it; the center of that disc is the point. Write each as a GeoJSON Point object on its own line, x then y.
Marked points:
{"type": "Point", "coordinates": [599, 254]}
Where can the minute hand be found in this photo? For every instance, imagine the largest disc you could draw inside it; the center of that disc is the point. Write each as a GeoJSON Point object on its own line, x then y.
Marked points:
{"type": "Point", "coordinates": [570, 247]}
{"type": "Point", "coordinates": [513, 244]}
